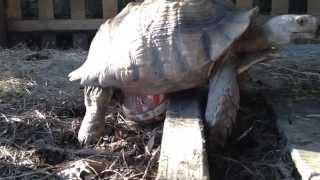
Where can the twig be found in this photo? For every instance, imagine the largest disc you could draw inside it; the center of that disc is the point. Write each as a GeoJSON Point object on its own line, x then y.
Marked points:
{"type": "Point", "coordinates": [237, 162]}
{"type": "Point", "coordinates": [154, 154]}
{"type": "Point", "coordinates": [113, 171]}
{"type": "Point", "coordinates": [113, 164]}
{"type": "Point", "coordinates": [124, 159]}
{"type": "Point", "coordinates": [81, 152]}
{"type": "Point", "coordinates": [40, 171]}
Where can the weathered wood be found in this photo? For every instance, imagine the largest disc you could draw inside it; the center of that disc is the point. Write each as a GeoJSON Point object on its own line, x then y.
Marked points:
{"type": "Point", "coordinates": [279, 7]}
{"type": "Point", "coordinates": [54, 25]}
{"type": "Point", "coordinates": [14, 9]}
{"type": "Point", "coordinates": [291, 85]}
{"type": "Point", "coordinates": [300, 123]}
{"type": "Point", "coordinates": [3, 29]}
{"type": "Point", "coordinates": [46, 10]}
{"type": "Point", "coordinates": [314, 7]}
{"type": "Point", "coordinates": [245, 4]}
{"type": "Point", "coordinates": [110, 8]}
{"type": "Point", "coordinates": [183, 155]}
{"type": "Point", "coordinates": [78, 9]}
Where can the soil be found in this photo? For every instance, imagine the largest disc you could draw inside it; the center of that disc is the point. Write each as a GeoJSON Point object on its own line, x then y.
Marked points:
{"type": "Point", "coordinates": [40, 114]}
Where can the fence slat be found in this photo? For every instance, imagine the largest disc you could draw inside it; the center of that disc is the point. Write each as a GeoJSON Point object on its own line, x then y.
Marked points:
{"type": "Point", "coordinates": [14, 9]}
{"type": "Point", "coordinates": [54, 25]}
{"type": "Point", "coordinates": [245, 4]}
{"type": "Point", "coordinates": [110, 8]}
{"type": "Point", "coordinates": [314, 7]}
{"type": "Point", "coordinates": [3, 29]}
{"type": "Point", "coordinates": [78, 9]}
{"type": "Point", "coordinates": [46, 10]}
{"type": "Point", "coordinates": [280, 7]}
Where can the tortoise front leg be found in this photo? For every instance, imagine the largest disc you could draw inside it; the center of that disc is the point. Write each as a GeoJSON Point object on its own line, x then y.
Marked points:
{"type": "Point", "coordinates": [223, 104]}
{"type": "Point", "coordinates": [96, 100]}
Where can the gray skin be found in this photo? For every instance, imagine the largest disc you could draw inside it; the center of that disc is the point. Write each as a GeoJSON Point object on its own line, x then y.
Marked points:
{"type": "Point", "coordinates": [220, 73]}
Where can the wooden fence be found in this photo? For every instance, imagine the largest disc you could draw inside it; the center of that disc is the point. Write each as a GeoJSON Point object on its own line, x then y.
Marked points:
{"type": "Point", "coordinates": [78, 23]}
{"type": "Point", "coordinates": [283, 6]}
{"type": "Point", "coordinates": [46, 21]}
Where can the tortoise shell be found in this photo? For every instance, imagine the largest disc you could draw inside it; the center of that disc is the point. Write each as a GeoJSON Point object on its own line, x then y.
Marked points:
{"type": "Point", "coordinates": [161, 46]}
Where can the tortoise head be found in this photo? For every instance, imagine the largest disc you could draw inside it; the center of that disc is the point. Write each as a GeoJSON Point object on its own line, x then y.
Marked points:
{"type": "Point", "coordinates": [285, 29]}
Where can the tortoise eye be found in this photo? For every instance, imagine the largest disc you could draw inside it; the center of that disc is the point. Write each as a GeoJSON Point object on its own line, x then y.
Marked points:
{"type": "Point", "coordinates": [301, 21]}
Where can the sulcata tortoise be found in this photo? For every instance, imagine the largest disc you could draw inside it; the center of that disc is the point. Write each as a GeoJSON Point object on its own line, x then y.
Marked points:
{"type": "Point", "coordinates": [157, 47]}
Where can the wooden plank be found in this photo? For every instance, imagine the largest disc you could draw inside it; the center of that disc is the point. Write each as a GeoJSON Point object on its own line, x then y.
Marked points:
{"type": "Point", "coordinates": [183, 155]}
{"type": "Point", "coordinates": [292, 88]}
{"type": "Point", "coordinates": [14, 9]}
{"type": "Point", "coordinates": [3, 29]}
{"type": "Point", "coordinates": [244, 4]}
{"type": "Point", "coordinates": [46, 10]}
{"type": "Point", "coordinates": [279, 7]}
{"type": "Point", "coordinates": [314, 7]}
{"type": "Point", "coordinates": [109, 8]}
{"type": "Point", "coordinates": [54, 25]}
{"type": "Point", "coordinates": [78, 9]}
{"type": "Point", "coordinates": [299, 121]}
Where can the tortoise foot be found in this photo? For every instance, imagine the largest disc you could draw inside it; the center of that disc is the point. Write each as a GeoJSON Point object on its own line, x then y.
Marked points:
{"type": "Point", "coordinates": [93, 124]}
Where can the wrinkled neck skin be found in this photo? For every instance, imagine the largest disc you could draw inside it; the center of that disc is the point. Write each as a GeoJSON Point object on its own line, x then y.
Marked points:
{"type": "Point", "coordinates": [255, 39]}
{"type": "Point", "coordinates": [253, 47]}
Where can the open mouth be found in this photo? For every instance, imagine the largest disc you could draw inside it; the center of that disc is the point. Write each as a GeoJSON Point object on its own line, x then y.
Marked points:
{"type": "Point", "coordinates": [306, 37]}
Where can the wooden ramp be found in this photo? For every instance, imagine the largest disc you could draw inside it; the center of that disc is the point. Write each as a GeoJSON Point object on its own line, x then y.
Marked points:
{"type": "Point", "coordinates": [183, 154]}
{"type": "Point", "coordinates": [299, 120]}
{"type": "Point", "coordinates": [291, 85]}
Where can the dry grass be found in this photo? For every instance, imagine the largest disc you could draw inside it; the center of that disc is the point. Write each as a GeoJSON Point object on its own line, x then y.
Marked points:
{"type": "Point", "coordinates": [256, 150]}
{"type": "Point", "coordinates": [40, 113]}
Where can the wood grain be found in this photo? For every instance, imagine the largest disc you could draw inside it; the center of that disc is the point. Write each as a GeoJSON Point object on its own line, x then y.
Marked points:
{"type": "Point", "coordinates": [14, 9]}
{"type": "Point", "coordinates": [299, 121]}
{"type": "Point", "coordinates": [109, 8]}
{"type": "Point", "coordinates": [54, 25]}
{"type": "Point", "coordinates": [183, 155]}
{"type": "Point", "coordinates": [78, 9]}
{"type": "Point", "coordinates": [46, 10]}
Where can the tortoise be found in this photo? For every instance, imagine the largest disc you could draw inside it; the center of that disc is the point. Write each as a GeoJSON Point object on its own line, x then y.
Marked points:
{"type": "Point", "coordinates": [156, 47]}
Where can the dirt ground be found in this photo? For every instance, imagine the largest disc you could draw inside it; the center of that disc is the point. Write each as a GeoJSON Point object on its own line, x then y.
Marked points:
{"type": "Point", "coordinates": [40, 113]}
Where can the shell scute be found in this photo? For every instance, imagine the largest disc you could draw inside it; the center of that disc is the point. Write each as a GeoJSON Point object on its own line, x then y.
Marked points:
{"type": "Point", "coordinates": [161, 46]}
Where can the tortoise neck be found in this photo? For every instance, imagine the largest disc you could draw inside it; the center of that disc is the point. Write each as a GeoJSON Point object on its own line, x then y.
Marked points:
{"type": "Point", "coordinates": [253, 40]}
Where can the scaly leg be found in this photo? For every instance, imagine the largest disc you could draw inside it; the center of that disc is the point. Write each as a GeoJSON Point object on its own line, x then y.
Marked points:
{"type": "Point", "coordinates": [223, 103]}
{"type": "Point", "coordinates": [96, 101]}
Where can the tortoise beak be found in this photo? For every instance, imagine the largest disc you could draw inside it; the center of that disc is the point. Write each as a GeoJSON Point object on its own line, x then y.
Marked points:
{"type": "Point", "coordinates": [316, 34]}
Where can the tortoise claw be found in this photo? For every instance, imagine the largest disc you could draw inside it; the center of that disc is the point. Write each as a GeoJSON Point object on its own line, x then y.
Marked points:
{"type": "Point", "coordinates": [93, 124]}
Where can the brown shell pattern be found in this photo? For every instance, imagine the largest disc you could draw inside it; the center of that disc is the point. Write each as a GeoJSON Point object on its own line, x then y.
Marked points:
{"type": "Point", "coordinates": [161, 46]}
